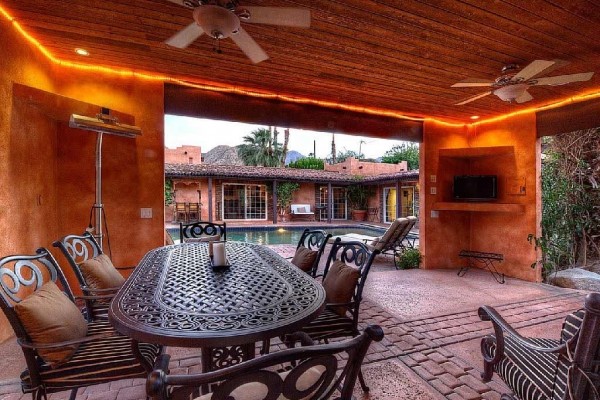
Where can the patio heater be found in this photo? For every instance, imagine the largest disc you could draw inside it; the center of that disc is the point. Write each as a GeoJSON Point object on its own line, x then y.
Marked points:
{"type": "Point", "coordinates": [102, 123]}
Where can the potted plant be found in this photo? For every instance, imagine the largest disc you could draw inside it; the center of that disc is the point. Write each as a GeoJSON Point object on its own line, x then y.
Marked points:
{"type": "Point", "coordinates": [358, 199]}
{"type": "Point", "coordinates": [285, 192]}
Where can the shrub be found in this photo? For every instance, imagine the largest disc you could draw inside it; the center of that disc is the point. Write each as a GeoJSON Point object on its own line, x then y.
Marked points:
{"type": "Point", "coordinates": [307, 163]}
{"type": "Point", "coordinates": [409, 259]}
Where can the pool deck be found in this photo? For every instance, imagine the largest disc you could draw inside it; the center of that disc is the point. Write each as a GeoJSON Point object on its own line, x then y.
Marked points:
{"type": "Point", "coordinates": [431, 347]}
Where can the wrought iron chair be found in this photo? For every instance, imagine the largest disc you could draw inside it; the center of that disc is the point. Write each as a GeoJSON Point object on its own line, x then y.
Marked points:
{"type": "Point", "coordinates": [80, 248]}
{"type": "Point", "coordinates": [193, 212]}
{"type": "Point", "coordinates": [312, 375]}
{"type": "Point", "coordinates": [340, 318]}
{"type": "Point", "coordinates": [539, 369]}
{"type": "Point", "coordinates": [314, 241]}
{"type": "Point", "coordinates": [202, 230]}
{"type": "Point", "coordinates": [102, 354]}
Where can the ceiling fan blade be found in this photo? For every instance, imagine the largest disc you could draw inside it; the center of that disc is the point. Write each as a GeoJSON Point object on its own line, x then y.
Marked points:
{"type": "Point", "coordinates": [184, 3]}
{"type": "Point", "coordinates": [535, 68]}
{"type": "Point", "coordinates": [186, 36]}
{"type": "Point", "coordinates": [525, 96]}
{"type": "Point", "coordinates": [470, 99]}
{"type": "Point", "coordinates": [284, 16]}
{"type": "Point", "coordinates": [473, 82]}
{"type": "Point", "coordinates": [254, 52]}
{"type": "Point", "coordinates": [563, 79]}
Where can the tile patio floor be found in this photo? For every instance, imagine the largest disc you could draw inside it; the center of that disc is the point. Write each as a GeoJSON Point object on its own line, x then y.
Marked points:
{"type": "Point", "coordinates": [431, 347]}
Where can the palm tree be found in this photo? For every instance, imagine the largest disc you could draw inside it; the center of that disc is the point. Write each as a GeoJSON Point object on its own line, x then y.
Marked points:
{"type": "Point", "coordinates": [261, 148]}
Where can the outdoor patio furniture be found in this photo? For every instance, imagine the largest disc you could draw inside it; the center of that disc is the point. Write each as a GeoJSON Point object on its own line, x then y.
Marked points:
{"type": "Point", "coordinates": [312, 373]}
{"type": "Point", "coordinates": [301, 211]}
{"type": "Point", "coordinates": [544, 369]}
{"type": "Point", "coordinates": [344, 278]}
{"type": "Point", "coordinates": [193, 213]}
{"type": "Point", "coordinates": [62, 350]}
{"type": "Point", "coordinates": [394, 241]}
{"type": "Point", "coordinates": [486, 260]}
{"type": "Point", "coordinates": [202, 231]}
{"type": "Point", "coordinates": [181, 214]}
{"type": "Point", "coordinates": [310, 249]}
{"type": "Point", "coordinates": [373, 214]}
{"type": "Point", "coordinates": [79, 250]}
{"type": "Point", "coordinates": [175, 297]}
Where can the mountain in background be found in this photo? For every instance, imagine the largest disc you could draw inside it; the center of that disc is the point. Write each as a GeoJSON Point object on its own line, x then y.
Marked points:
{"type": "Point", "coordinates": [292, 156]}
{"type": "Point", "coordinates": [222, 155]}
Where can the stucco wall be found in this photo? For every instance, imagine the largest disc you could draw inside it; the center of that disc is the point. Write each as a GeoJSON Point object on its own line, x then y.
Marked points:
{"type": "Point", "coordinates": [183, 155]}
{"type": "Point", "coordinates": [442, 237]}
{"type": "Point", "coordinates": [352, 166]}
{"type": "Point", "coordinates": [48, 168]}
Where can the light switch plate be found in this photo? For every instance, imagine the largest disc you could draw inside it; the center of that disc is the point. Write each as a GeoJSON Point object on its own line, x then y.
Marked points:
{"type": "Point", "coordinates": [433, 178]}
{"type": "Point", "coordinates": [145, 212]}
{"type": "Point", "coordinates": [433, 190]}
{"type": "Point", "coordinates": [435, 214]}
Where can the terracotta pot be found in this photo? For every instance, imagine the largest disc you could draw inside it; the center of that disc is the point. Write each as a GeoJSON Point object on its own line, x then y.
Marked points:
{"type": "Point", "coordinates": [359, 215]}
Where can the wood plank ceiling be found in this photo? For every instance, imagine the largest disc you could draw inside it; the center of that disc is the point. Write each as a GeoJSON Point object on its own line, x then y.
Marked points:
{"type": "Point", "coordinates": [395, 55]}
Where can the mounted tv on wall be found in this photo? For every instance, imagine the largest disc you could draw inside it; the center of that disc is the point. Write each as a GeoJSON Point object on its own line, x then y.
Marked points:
{"type": "Point", "coordinates": [475, 187]}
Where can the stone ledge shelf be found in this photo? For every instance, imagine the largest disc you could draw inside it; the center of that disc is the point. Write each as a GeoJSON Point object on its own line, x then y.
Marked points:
{"type": "Point", "coordinates": [479, 206]}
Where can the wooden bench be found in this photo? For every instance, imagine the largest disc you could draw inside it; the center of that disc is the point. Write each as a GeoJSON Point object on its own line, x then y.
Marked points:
{"type": "Point", "coordinates": [487, 260]}
{"type": "Point", "coordinates": [301, 211]}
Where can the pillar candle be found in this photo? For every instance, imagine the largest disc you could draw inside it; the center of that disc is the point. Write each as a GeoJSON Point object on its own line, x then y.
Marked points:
{"type": "Point", "coordinates": [219, 258]}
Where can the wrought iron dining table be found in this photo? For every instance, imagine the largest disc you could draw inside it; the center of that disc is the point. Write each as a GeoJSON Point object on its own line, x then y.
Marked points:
{"type": "Point", "coordinates": [175, 297]}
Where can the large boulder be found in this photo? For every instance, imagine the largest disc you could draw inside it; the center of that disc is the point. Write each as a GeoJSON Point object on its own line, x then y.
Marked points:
{"type": "Point", "coordinates": [577, 278]}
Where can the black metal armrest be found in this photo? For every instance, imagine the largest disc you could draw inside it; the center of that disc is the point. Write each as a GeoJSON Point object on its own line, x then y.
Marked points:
{"type": "Point", "coordinates": [502, 329]}
{"type": "Point", "coordinates": [87, 289]}
{"type": "Point", "coordinates": [126, 268]}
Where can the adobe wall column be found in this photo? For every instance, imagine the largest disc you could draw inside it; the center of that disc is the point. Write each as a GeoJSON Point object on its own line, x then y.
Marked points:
{"type": "Point", "coordinates": [274, 202]}
{"type": "Point", "coordinates": [398, 199]}
{"type": "Point", "coordinates": [329, 202]}
{"type": "Point", "coordinates": [210, 199]}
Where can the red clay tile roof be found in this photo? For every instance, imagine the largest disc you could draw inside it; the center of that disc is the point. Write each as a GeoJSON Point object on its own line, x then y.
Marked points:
{"type": "Point", "coordinates": [272, 173]}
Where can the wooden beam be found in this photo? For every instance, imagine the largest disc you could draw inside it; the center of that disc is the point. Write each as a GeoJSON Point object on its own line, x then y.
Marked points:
{"type": "Point", "coordinates": [569, 118]}
{"type": "Point", "coordinates": [193, 102]}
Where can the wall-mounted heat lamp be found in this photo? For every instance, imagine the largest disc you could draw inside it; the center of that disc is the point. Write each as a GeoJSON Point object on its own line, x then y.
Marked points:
{"type": "Point", "coordinates": [102, 123]}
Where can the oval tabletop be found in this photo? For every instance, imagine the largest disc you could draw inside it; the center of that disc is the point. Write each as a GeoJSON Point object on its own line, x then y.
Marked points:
{"type": "Point", "coordinates": [174, 297]}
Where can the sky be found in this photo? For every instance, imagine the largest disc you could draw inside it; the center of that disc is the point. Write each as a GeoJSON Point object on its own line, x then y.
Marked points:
{"type": "Point", "coordinates": [208, 134]}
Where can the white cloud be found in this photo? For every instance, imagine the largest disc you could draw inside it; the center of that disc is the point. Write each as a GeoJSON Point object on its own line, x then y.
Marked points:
{"type": "Point", "coordinates": [211, 133]}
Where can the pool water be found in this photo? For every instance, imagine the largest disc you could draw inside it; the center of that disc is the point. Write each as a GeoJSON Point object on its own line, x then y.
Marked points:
{"type": "Point", "coordinates": [287, 235]}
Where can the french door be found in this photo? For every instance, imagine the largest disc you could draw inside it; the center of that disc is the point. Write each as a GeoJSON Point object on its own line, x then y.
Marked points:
{"type": "Point", "coordinates": [242, 201]}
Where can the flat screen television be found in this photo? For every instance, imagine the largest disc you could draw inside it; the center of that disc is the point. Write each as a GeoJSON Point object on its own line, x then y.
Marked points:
{"type": "Point", "coordinates": [475, 187]}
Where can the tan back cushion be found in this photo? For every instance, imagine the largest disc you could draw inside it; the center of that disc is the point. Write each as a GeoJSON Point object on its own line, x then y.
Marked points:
{"type": "Point", "coordinates": [304, 258]}
{"type": "Point", "coordinates": [340, 283]}
{"type": "Point", "coordinates": [48, 316]}
{"type": "Point", "coordinates": [100, 273]}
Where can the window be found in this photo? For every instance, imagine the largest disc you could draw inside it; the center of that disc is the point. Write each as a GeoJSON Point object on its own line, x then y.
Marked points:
{"type": "Point", "coordinates": [242, 201]}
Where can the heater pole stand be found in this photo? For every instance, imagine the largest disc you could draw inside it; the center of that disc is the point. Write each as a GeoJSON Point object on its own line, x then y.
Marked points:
{"type": "Point", "coordinates": [98, 207]}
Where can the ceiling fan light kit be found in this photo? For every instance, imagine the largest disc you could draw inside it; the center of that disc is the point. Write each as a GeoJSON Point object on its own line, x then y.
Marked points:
{"type": "Point", "coordinates": [218, 22]}
{"type": "Point", "coordinates": [221, 19]}
{"type": "Point", "coordinates": [512, 85]}
{"type": "Point", "coordinates": [511, 92]}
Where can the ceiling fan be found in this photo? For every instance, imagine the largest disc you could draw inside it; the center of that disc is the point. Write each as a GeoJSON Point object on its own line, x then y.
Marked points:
{"type": "Point", "coordinates": [512, 85]}
{"type": "Point", "coordinates": [221, 19]}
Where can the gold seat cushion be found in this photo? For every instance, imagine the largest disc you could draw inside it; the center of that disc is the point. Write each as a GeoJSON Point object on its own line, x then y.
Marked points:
{"type": "Point", "coordinates": [49, 316]}
{"type": "Point", "coordinates": [339, 284]}
{"type": "Point", "coordinates": [304, 258]}
{"type": "Point", "coordinates": [100, 273]}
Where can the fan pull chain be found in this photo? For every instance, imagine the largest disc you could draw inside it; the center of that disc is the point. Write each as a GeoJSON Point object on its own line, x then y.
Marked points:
{"type": "Point", "coordinates": [217, 47]}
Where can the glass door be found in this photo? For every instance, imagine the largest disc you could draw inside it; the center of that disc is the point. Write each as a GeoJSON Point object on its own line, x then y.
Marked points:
{"type": "Point", "coordinates": [242, 201]}
{"type": "Point", "coordinates": [389, 204]}
{"type": "Point", "coordinates": [408, 201]}
{"type": "Point", "coordinates": [340, 208]}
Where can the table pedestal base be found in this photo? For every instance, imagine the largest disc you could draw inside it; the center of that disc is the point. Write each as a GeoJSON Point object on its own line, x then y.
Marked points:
{"type": "Point", "coordinates": [214, 358]}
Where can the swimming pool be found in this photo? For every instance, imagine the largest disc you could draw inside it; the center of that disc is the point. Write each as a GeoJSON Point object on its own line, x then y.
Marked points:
{"type": "Point", "coordinates": [284, 235]}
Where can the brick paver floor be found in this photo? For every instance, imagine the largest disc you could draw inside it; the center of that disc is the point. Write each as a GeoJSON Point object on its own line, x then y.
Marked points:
{"type": "Point", "coordinates": [434, 354]}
